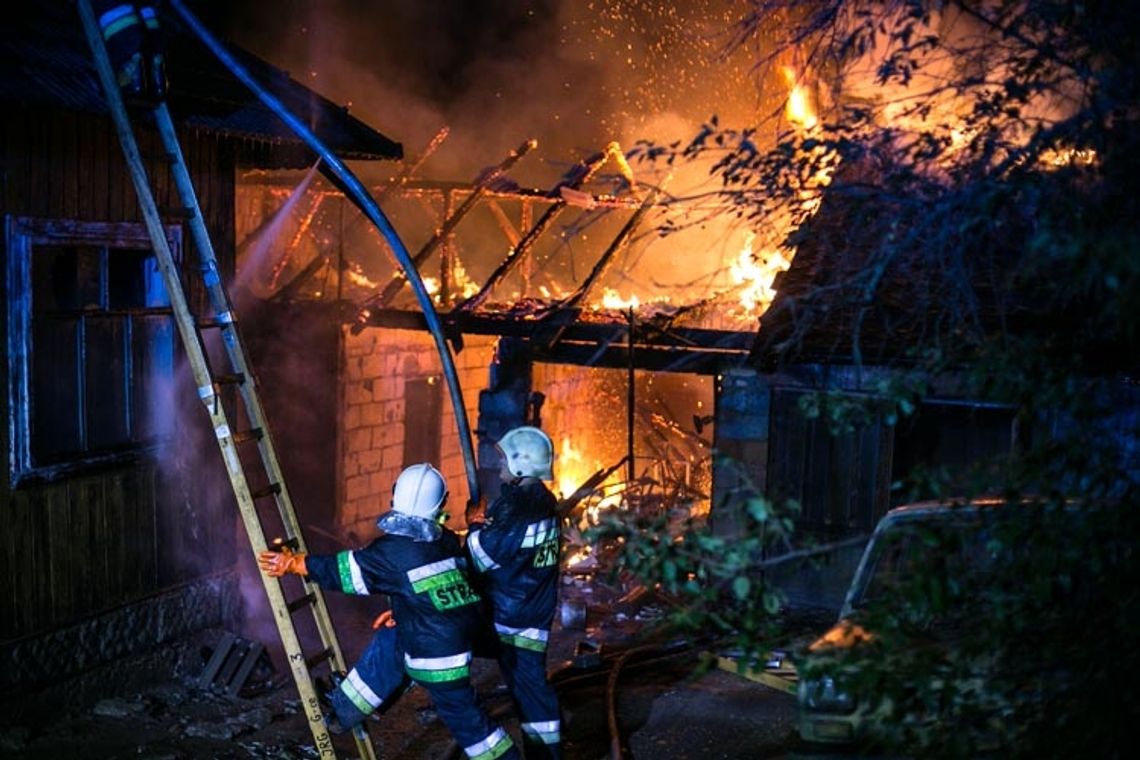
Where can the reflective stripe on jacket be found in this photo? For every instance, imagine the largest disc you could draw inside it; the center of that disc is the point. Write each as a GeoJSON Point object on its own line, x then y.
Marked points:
{"type": "Point", "coordinates": [436, 610]}
{"type": "Point", "coordinates": [515, 554]}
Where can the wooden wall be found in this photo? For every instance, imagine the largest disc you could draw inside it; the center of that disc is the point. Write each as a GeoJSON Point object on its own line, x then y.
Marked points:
{"type": "Point", "coordinates": [75, 547]}
{"type": "Point", "coordinates": [841, 481]}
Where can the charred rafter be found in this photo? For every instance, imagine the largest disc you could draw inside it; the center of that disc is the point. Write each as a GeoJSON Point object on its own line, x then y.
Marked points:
{"type": "Point", "coordinates": [586, 170]}
{"type": "Point", "coordinates": [569, 310]}
{"type": "Point", "coordinates": [599, 344]}
{"type": "Point", "coordinates": [480, 186]}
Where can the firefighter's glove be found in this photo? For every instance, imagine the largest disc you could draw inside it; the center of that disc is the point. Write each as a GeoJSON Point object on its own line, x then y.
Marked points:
{"type": "Point", "coordinates": [278, 563]}
{"type": "Point", "coordinates": [384, 620]}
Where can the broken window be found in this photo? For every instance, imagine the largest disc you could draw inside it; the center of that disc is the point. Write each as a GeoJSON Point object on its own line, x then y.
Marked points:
{"type": "Point", "coordinates": [90, 341]}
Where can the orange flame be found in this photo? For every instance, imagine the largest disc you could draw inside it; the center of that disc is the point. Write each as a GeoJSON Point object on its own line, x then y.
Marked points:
{"type": "Point", "coordinates": [572, 468]}
{"type": "Point", "coordinates": [613, 300]}
{"type": "Point", "coordinates": [755, 274]}
{"type": "Point", "coordinates": [798, 107]}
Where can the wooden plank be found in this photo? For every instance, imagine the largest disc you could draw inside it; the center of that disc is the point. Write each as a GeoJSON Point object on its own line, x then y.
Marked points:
{"type": "Point", "coordinates": [87, 171]}
{"type": "Point", "coordinates": [841, 478]}
{"type": "Point", "coordinates": [61, 549]}
{"type": "Point", "coordinates": [92, 543]}
{"type": "Point", "coordinates": [31, 579]}
{"type": "Point", "coordinates": [69, 131]}
{"type": "Point", "coordinates": [139, 512]}
{"type": "Point", "coordinates": [8, 572]}
{"type": "Point", "coordinates": [35, 202]}
{"type": "Point", "coordinates": [783, 678]}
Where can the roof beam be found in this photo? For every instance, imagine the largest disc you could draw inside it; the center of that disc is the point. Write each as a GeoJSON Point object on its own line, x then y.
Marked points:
{"type": "Point", "coordinates": [597, 344]}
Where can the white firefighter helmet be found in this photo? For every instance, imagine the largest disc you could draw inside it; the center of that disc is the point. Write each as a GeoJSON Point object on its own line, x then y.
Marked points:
{"type": "Point", "coordinates": [420, 491]}
{"type": "Point", "coordinates": [528, 452]}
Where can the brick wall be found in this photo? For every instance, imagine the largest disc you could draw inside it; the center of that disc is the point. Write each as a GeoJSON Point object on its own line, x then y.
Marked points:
{"type": "Point", "coordinates": [378, 362]}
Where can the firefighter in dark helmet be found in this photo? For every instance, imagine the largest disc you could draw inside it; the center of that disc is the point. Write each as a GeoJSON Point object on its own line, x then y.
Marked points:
{"type": "Point", "coordinates": [514, 550]}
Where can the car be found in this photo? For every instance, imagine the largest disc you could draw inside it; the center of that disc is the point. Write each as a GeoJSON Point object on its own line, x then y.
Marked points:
{"type": "Point", "coordinates": [922, 584]}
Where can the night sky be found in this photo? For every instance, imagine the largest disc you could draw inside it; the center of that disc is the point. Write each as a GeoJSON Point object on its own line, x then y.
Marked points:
{"type": "Point", "coordinates": [574, 74]}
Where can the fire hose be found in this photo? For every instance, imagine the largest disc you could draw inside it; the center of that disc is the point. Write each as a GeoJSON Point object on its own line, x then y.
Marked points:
{"type": "Point", "coordinates": [343, 178]}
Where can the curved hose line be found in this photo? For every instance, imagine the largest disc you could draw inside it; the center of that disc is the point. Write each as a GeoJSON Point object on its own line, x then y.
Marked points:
{"type": "Point", "coordinates": [355, 190]}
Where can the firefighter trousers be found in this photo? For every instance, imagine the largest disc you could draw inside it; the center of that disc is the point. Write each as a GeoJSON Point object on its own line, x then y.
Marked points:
{"type": "Point", "coordinates": [378, 679]}
{"type": "Point", "coordinates": [524, 670]}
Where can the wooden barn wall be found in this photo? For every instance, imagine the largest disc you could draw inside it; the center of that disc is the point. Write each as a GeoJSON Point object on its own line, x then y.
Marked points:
{"type": "Point", "coordinates": [88, 543]}
{"type": "Point", "coordinates": [840, 481]}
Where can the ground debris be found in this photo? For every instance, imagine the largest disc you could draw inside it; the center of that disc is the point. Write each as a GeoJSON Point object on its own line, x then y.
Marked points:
{"type": "Point", "coordinates": [425, 716]}
{"type": "Point", "coordinates": [14, 739]}
{"type": "Point", "coordinates": [119, 707]}
{"type": "Point", "coordinates": [202, 730]}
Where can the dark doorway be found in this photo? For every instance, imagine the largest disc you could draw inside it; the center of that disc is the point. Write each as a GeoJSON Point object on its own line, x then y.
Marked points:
{"type": "Point", "coordinates": [423, 418]}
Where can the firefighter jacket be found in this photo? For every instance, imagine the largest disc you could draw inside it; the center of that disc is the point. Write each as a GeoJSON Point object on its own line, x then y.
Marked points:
{"type": "Point", "coordinates": [515, 553]}
{"type": "Point", "coordinates": [437, 613]}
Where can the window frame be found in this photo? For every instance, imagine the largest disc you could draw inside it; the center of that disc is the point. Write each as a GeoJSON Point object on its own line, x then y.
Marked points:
{"type": "Point", "coordinates": [22, 235]}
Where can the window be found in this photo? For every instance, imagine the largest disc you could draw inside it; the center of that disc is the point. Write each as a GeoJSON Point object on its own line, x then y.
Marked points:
{"type": "Point", "coordinates": [90, 341]}
{"type": "Point", "coordinates": [955, 436]}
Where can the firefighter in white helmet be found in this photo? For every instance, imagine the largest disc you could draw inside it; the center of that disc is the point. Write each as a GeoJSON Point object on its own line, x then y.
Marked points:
{"type": "Point", "coordinates": [420, 565]}
{"type": "Point", "coordinates": [514, 549]}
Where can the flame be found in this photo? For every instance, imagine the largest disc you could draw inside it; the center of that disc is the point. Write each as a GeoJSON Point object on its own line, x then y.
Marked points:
{"type": "Point", "coordinates": [612, 300]}
{"type": "Point", "coordinates": [463, 281]}
{"type": "Point", "coordinates": [755, 275]}
{"type": "Point", "coordinates": [571, 468]}
{"type": "Point", "coordinates": [358, 278]}
{"type": "Point", "coordinates": [579, 556]}
{"type": "Point", "coordinates": [1069, 157]}
{"type": "Point", "coordinates": [798, 108]}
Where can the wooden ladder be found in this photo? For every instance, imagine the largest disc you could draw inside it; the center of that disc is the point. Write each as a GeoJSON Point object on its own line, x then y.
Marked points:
{"type": "Point", "coordinates": [210, 384]}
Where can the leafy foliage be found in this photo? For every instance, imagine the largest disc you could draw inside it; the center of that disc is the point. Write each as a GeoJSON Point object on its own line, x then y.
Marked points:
{"type": "Point", "coordinates": [964, 212]}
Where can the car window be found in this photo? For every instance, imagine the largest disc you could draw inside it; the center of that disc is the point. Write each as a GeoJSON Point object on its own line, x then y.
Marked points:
{"type": "Point", "coordinates": [957, 551]}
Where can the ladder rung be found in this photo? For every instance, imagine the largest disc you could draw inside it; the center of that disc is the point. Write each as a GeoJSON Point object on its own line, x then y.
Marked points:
{"type": "Point", "coordinates": [243, 436]}
{"type": "Point", "coordinates": [270, 490]}
{"type": "Point", "coordinates": [235, 379]}
{"type": "Point", "coordinates": [206, 324]}
{"type": "Point", "coordinates": [318, 658]}
{"type": "Point", "coordinates": [279, 543]}
{"type": "Point", "coordinates": [176, 212]}
{"type": "Point", "coordinates": [301, 602]}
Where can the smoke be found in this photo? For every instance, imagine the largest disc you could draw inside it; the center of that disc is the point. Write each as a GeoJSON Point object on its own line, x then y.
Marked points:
{"type": "Point", "coordinates": [574, 75]}
{"type": "Point", "coordinates": [263, 251]}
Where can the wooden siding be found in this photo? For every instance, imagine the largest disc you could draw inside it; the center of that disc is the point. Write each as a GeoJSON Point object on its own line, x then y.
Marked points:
{"type": "Point", "coordinates": [74, 547]}
{"type": "Point", "coordinates": [841, 481]}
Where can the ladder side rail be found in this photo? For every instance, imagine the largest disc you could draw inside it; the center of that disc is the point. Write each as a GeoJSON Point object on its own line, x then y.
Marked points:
{"type": "Point", "coordinates": [235, 350]}
{"type": "Point", "coordinates": [350, 184]}
{"type": "Point", "coordinates": [196, 356]}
